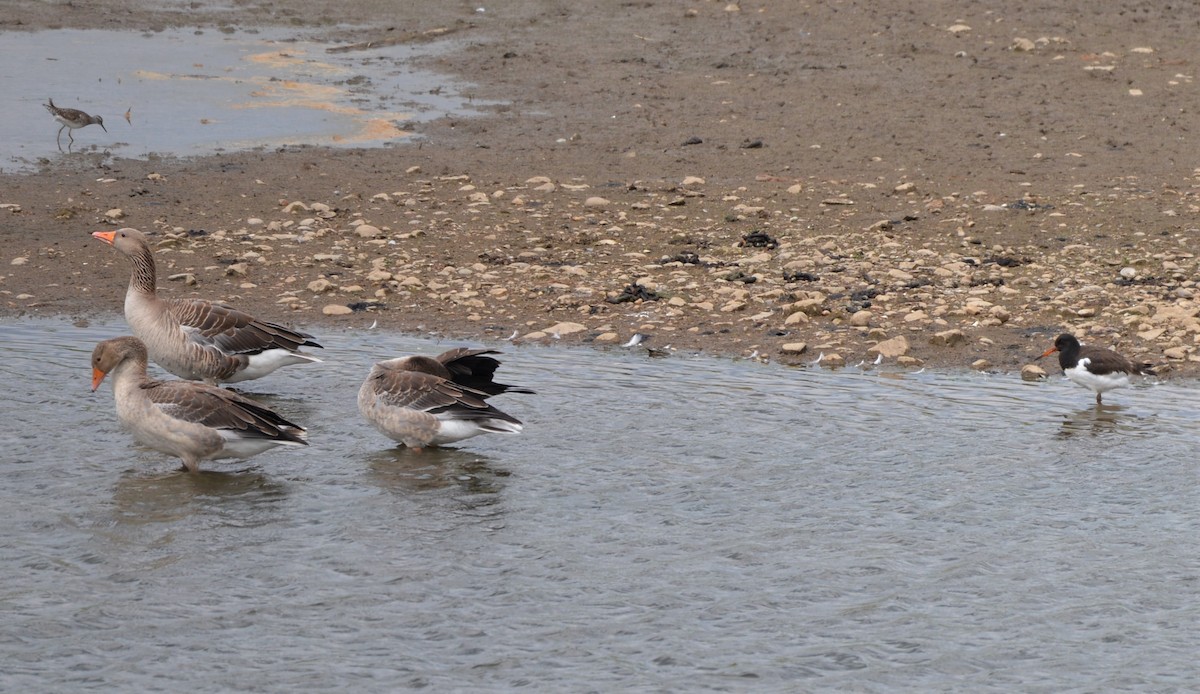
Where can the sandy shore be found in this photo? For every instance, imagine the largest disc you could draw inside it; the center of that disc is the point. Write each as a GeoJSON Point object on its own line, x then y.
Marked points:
{"type": "Point", "coordinates": [951, 186]}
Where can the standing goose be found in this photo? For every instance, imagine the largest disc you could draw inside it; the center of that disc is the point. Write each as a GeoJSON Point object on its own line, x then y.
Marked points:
{"type": "Point", "coordinates": [196, 339]}
{"type": "Point", "coordinates": [189, 420]}
{"type": "Point", "coordinates": [425, 401]}
{"type": "Point", "coordinates": [1095, 368]}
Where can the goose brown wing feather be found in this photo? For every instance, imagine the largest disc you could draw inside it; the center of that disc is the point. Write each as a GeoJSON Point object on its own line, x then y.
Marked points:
{"type": "Point", "coordinates": [421, 391]}
{"type": "Point", "coordinates": [233, 331]}
{"type": "Point", "coordinates": [220, 409]}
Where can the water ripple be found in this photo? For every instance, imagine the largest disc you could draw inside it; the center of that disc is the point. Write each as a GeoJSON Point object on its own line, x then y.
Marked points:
{"type": "Point", "coordinates": [682, 523]}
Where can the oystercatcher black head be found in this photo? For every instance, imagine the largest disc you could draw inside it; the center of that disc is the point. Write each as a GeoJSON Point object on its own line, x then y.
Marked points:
{"type": "Point", "coordinates": [1094, 368]}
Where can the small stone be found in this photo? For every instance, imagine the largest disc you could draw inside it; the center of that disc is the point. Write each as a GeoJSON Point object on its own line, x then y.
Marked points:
{"type": "Point", "coordinates": [891, 349]}
{"type": "Point", "coordinates": [115, 213]}
{"type": "Point", "coordinates": [948, 338]}
{"type": "Point", "coordinates": [19, 261]}
{"type": "Point", "coordinates": [255, 222]}
{"type": "Point", "coordinates": [693, 181]}
{"type": "Point", "coordinates": [1128, 272]}
{"type": "Point", "coordinates": [186, 277]}
{"type": "Point", "coordinates": [320, 286]}
{"type": "Point", "coordinates": [981, 365]}
{"type": "Point", "coordinates": [368, 231]}
{"type": "Point", "coordinates": [1032, 372]}
{"type": "Point", "coordinates": [1175, 352]}
{"type": "Point", "coordinates": [833, 361]}
{"type": "Point", "coordinates": [336, 310]}
{"type": "Point", "coordinates": [565, 328]}
{"type": "Point", "coordinates": [794, 347]}
{"type": "Point", "coordinates": [236, 270]}
{"type": "Point", "coordinates": [606, 337]}
{"type": "Point", "coordinates": [1022, 45]}
{"type": "Point", "coordinates": [795, 189]}
{"type": "Point", "coordinates": [596, 201]}
{"type": "Point", "coordinates": [379, 276]}
{"type": "Point", "coordinates": [861, 318]}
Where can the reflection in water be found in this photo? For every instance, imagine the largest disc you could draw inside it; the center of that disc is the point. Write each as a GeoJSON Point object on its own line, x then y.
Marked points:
{"type": "Point", "coordinates": [867, 530]}
{"type": "Point", "coordinates": [237, 497]}
{"type": "Point", "coordinates": [1104, 419]}
{"type": "Point", "coordinates": [403, 469]}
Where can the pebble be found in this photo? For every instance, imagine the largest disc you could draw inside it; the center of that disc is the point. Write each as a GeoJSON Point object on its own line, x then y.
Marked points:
{"type": "Point", "coordinates": [368, 231]}
{"type": "Point", "coordinates": [948, 338]}
{"type": "Point", "coordinates": [981, 365]}
{"type": "Point", "coordinates": [890, 349]}
{"type": "Point", "coordinates": [320, 286]}
{"type": "Point", "coordinates": [1175, 352]}
{"type": "Point", "coordinates": [596, 201]}
{"type": "Point", "coordinates": [21, 260]}
{"type": "Point", "coordinates": [1032, 372]}
{"type": "Point", "coordinates": [833, 360]}
{"type": "Point", "coordinates": [564, 328]}
{"type": "Point", "coordinates": [794, 348]}
{"type": "Point", "coordinates": [336, 310]}
{"type": "Point", "coordinates": [861, 318]}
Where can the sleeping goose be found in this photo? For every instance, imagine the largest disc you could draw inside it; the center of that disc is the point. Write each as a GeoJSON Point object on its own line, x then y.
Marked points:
{"type": "Point", "coordinates": [192, 421]}
{"type": "Point", "coordinates": [426, 401]}
{"type": "Point", "coordinates": [196, 339]}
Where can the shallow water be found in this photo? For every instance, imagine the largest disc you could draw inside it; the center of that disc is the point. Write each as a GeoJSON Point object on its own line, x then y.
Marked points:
{"type": "Point", "coordinates": [673, 524]}
{"type": "Point", "coordinates": [192, 92]}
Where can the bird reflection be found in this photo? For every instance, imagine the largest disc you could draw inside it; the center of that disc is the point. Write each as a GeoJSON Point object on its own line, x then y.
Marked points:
{"type": "Point", "coordinates": [1095, 420]}
{"type": "Point", "coordinates": [406, 470]}
{"type": "Point", "coordinates": [239, 496]}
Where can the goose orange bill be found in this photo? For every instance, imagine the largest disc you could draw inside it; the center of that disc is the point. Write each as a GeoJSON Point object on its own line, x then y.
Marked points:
{"type": "Point", "coordinates": [1048, 352]}
{"type": "Point", "coordinates": [105, 236]}
{"type": "Point", "coordinates": [97, 376]}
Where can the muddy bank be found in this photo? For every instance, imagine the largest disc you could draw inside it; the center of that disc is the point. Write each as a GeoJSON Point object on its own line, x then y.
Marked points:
{"type": "Point", "coordinates": [952, 189]}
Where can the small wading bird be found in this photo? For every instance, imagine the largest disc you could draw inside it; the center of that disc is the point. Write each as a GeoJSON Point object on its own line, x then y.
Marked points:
{"type": "Point", "coordinates": [191, 421]}
{"type": "Point", "coordinates": [426, 401]}
{"type": "Point", "coordinates": [196, 339]}
{"type": "Point", "coordinates": [71, 119]}
{"type": "Point", "coordinates": [1095, 368]}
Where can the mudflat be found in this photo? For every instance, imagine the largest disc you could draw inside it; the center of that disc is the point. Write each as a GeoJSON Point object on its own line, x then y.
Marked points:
{"type": "Point", "coordinates": [948, 184]}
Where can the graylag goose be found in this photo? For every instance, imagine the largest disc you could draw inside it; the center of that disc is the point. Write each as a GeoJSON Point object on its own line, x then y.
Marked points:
{"type": "Point", "coordinates": [196, 339]}
{"type": "Point", "coordinates": [424, 401]}
{"type": "Point", "coordinates": [191, 421]}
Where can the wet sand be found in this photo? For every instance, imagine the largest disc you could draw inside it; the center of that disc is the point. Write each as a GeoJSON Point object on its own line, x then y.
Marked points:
{"type": "Point", "coordinates": [951, 185]}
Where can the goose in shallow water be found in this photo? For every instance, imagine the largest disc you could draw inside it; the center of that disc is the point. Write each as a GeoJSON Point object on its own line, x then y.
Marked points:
{"type": "Point", "coordinates": [191, 421]}
{"type": "Point", "coordinates": [196, 339]}
{"type": "Point", "coordinates": [424, 401]}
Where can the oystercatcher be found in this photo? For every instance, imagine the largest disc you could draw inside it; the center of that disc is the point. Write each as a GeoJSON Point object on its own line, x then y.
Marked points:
{"type": "Point", "coordinates": [1095, 368]}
